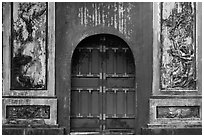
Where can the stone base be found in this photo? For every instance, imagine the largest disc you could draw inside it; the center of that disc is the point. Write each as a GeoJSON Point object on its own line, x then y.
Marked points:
{"type": "Point", "coordinates": [32, 131]}
{"type": "Point", "coordinates": [171, 131]}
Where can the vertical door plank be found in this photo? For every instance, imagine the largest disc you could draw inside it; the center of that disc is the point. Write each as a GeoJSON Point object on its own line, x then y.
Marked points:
{"type": "Point", "coordinates": [84, 61]}
{"type": "Point", "coordinates": [120, 103]}
{"type": "Point", "coordinates": [95, 103]}
{"type": "Point", "coordinates": [109, 103]}
{"type": "Point", "coordinates": [75, 103]}
{"type": "Point", "coordinates": [84, 102]}
{"type": "Point", "coordinates": [95, 61]}
{"type": "Point", "coordinates": [120, 64]}
{"type": "Point", "coordinates": [130, 103]}
{"type": "Point", "coordinates": [109, 61]}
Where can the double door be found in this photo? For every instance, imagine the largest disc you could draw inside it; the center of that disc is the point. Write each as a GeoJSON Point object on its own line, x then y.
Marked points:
{"type": "Point", "coordinates": [103, 87]}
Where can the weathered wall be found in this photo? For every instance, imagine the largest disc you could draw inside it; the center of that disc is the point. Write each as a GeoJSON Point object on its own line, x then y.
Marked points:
{"type": "Point", "coordinates": [130, 21]}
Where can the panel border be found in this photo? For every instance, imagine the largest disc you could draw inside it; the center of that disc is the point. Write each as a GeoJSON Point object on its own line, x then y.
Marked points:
{"type": "Point", "coordinates": [30, 101]}
{"type": "Point", "coordinates": [175, 122]}
{"type": "Point", "coordinates": [156, 90]}
{"type": "Point", "coordinates": [50, 91]}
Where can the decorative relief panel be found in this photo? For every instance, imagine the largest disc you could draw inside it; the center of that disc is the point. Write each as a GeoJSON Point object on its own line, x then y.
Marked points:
{"type": "Point", "coordinates": [28, 56]}
{"type": "Point", "coordinates": [28, 112]}
{"type": "Point", "coordinates": [175, 112]}
{"type": "Point", "coordinates": [178, 112]}
{"type": "Point", "coordinates": [178, 51]}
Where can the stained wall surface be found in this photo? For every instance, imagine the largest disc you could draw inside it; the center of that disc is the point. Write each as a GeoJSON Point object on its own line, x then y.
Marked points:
{"type": "Point", "coordinates": [132, 22]}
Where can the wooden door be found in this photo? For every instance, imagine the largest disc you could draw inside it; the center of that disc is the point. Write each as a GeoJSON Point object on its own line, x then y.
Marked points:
{"type": "Point", "coordinates": [103, 98]}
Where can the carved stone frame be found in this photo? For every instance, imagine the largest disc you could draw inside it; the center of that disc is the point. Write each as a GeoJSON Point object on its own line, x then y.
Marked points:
{"type": "Point", "coordinates": [50, 91]}
{"type": "Point", "coordinates": [52, 103]}
{"type": "Point", "coordinates": [156, 91]}
{"type": "Point", "coordinates": [174, 122]}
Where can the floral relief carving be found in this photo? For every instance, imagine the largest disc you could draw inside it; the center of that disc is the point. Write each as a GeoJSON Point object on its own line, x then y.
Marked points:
{"type": "Point", "coordinates": [178, 112]}
{"type": "Point", "coordinates": [28, 112]}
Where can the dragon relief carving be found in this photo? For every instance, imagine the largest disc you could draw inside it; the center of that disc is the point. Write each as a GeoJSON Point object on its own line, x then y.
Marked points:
{"type": "Point", "coordinates": [178, 63]}
{"type": "Point", "coordinates": [29, 45]}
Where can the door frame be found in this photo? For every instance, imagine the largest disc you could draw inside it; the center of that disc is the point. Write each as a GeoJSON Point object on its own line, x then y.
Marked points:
{"type": "Point", "coordinates": [122, 37]}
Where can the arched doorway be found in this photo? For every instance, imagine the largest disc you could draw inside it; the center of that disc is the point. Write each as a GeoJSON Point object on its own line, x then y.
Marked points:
{"type": "Point", "coordinates": [103, 93]}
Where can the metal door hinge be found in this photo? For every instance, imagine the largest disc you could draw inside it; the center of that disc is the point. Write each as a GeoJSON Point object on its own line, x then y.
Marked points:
{"type": "Point", "coordinates": [101, 48]}
{"type": "Point", "coordinates": [115, 49]}
{"type": "Point", "coordinates": [104, 89]}
{"type": "Point", "coordinates": [90, 49]}
{"type": "Point", "coordinates": [104, 49]}
{"type": "Point", "coordinates": [104, 127]}
{"type": "Point", "coordinates": [104, 116]}
{"type": "Point", "coordinates": [125, 49]}
{"type": "Point", "coordinates": [104, 76]}
{"type": "Point", "coordinates": [100, 117]}
{"type": "Point", "coordinates": [101, 127]}
{"type": "Point", "coordinates": [101, 76]}
{"type": "Point", "coordinates": [89, 115]}
{"type": "Point", "coordinates": [101, 90]}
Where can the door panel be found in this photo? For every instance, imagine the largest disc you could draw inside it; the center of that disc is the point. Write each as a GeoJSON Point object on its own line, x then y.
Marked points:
{"type": "Point", "coordinates": [103, 87]}
{"type": "Point", "coordinates": [115, 82]}
{"type": "Point", "coordinates": [109, 103]}
{"type": "Point", "coordinates": [130, 103]}
{"type": "Point", "coordinates": [84, 103]}
{"type": "Point", "coordinates": [85, 124]}
{"type": "Point", "coordinates": [120, 61]}
{"type": "Point", "coordinates": [120, 123]}
{"type": "Point", "coordinates": [95, 101]}
{"type": "Point", "coordinates": [81, 82]}
{"type": "Point", "coordinates": [120, 103]}
{"type": "Point", "coordinates": [95, 61]}
{"type": "Point", "coordinates": [75, 103]}
{"type": "Point", "coordinates": [110, 62]}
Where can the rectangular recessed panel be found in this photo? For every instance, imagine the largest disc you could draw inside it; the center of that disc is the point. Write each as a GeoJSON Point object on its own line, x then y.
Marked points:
{"type": "Point", "coordinates": [29, 47]}
{"type": "Point", "coordinates": [27, 112]}
{"type": "Point", "coordinates": [120, 103]}
{"type": "Point", "coordinates": [130, 103]}
{"type": "Point", "coordinates": [85, 82]}
{"type": "Point", "coordinates": [178, 111]}
{"type": "Point", "coordinates": [110, 61]}
{"type": "Point", "coordinates": [178, 46]}
{"type": "Point", "coordinates": [85, 124]}
{"type": "Point", "coordinates": [109, 103]}
{"type": "Point", "coordinates": [84, 102]}
{"type": "Point", "coordinates": [95, 61]}
{"type": "Point", "coordinates": [95, 103]}
{"type": "Point", "coordinates": [120, 82]}
{"type": "Point", "coordinates": [74, 102]}
{"type": "Point", "coordinates": [120, 123]}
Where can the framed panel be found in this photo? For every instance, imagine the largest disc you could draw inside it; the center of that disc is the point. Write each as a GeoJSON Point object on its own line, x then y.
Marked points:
{"type": "Point", "coordinates": [29, 46]}
{"type": "Point", "coordinates": [169, 42]}
{"type": "Point", "coordinates": [106, 97]}
{"type": "Point", "coordinates": [178, 112]}
{"type": "Point", "coordinates": [28, 70]}
{"type": "Point", "coordinates": [120, 123]}
{"type": "Point", "coordinates": [92, 124]}
{"type": "Point", "coordinates": [167, 112]}
{"type": "Point", "coordinates": [27, 111]}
